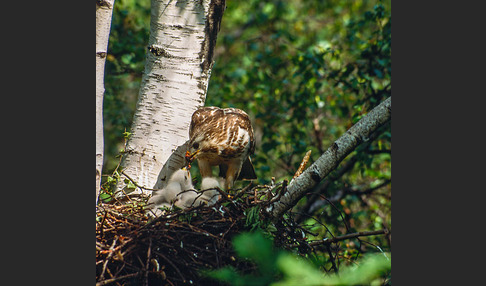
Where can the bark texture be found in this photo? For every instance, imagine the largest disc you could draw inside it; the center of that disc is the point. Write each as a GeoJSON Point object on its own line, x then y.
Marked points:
{"type": "Point", "coordinates": [331, 158]}
{"type": "Point", "coordinates": [177, 70]}
{"type": "Point", "coordinates": [104, 11]}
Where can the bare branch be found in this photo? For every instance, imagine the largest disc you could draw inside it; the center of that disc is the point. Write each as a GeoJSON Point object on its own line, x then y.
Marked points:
{"type": "Point", "coordinates": [339, 195]}
{"type": "Point", "coordinates": [327, 241]}
{"type": "Point", "coordinates": [108, 281]}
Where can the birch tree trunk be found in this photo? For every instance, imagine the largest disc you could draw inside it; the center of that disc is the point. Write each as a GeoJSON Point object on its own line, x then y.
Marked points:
{"type": "Point", "coordinates": [328, 161]}
{"type": "Point", "coordinates": [177, 70]}
{"type": "Point", "coordinates": [104, 11]}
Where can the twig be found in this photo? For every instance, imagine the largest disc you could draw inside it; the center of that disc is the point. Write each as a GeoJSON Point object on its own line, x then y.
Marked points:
{"type": "Point", "coordinates": [149, 250]}
{"type": "Point", "coordinates": [171, 264]}
{"type": "Point", "coordinates": [340, 213]}
{"type": "Point", "coordinates": [240, 193]}
{"type": "Point", "coordinates": [101, 224]}
{"type": "Point", "coordinates": [319, 222]}
{"type": "Point", "coordinates": [110, 254]}
{"type": "Point", "coordinates": [332, 258]}
{"type": "Point", "coordinates": [281, 193]}
{"type": "Point", "coordinates": [346, 236]}
{"type": "Point", "coordinates": [370, 190]}
{"type": "Point", "coordinates": [221, 191]}
{"type": "Point", "coordinates": [247, 187]}
{"type": "Point", "coordinates": [136, 184]}
{"type": "Point", "coordinates": [111, 280]}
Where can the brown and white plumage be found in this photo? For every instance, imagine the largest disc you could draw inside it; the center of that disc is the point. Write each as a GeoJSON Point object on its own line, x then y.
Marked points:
{"type": "Point", "coordinates": [224, 138]}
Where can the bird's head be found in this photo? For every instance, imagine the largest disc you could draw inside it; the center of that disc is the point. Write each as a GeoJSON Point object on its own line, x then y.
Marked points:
{"type": "Point", "coordinates": [196, 144]}
{"type": "Point", "coordinates": [183, 177]}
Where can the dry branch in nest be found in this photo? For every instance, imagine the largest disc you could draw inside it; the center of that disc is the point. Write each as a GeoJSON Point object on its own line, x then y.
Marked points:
{"type": "Point", "coordinates": [173, 249]}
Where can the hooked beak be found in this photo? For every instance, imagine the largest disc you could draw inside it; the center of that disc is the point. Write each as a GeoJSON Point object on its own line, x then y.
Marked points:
{"type": "Point", "coordinates": [190, 157]}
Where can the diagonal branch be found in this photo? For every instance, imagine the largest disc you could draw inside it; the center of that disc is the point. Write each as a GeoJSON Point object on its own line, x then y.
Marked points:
{"type": "Point", "coordinates": [328, 161]}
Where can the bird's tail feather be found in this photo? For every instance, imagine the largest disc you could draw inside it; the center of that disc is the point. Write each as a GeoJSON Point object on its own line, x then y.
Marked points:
{"type": "Point", "coordinates": [247, 171]}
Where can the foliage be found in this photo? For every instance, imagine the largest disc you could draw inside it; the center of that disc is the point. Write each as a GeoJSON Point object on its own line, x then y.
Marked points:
{"type": "Point", "coordinates": [305, 71]}
{"type": "Point", "coordinates": [277, 267]}
{"type": "Point", "coordinates": [109, 187]}
{"type": "Point", "coordinates": [304, 80]}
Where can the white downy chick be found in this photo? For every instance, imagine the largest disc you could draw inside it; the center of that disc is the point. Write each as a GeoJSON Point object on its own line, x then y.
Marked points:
{"type": "Point", "coordinates": [179, 182]}
{"type": "Point", "coordinates": [188, 199]}
{"type": "Point", "coordinates": [183, 177]}
{"type": "Point", "coordinates": [163, 198]}
{"type": "Point", "coordinates": [187, 195]}
{"type": "Point", "coordinates": [210, 194]}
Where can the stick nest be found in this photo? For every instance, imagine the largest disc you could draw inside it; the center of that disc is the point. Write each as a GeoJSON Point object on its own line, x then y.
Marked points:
{"type": "Point", "coordinates": [174, 249]}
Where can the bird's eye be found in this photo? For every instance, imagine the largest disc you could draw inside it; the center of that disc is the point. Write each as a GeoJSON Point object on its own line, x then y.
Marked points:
{"type": "Point", "coordinates": [195, 145]}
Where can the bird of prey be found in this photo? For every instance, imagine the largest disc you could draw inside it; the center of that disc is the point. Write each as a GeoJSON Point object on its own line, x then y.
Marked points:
{"type": "Point", "coordinates": [224, 138]}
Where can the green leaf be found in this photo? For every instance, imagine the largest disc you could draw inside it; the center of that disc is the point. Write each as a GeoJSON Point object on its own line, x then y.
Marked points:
{"type": "Point", "coordinates": [126, 58]}
{"type": "Point", "coordinates": [253, 217]}
{"type": "Point", "coordinates": [226, 274]}
{"type": "Point", "coordinates": [126, 134]}
{"type": "Point", "coordinates": [105, 197]}
{"type": "Point", "coordinates": [253, 246]}
{"type": "Point", "coordinates": [297, 271]}
{"type": "Point", "coordinates": [129, 184]}
{"type": "Point", "coordinates": [300, 272]}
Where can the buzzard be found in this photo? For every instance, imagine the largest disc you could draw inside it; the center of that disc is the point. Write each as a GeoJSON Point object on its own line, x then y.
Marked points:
{"type": "Point", "coordinates": [224, 138]}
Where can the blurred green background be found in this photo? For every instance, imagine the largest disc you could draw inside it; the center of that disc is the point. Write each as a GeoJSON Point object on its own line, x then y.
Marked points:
{"type": "Point", "coordinates": [305, 71]}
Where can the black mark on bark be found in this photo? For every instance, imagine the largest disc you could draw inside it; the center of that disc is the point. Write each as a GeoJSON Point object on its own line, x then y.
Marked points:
{"type": "Point", "coordinates": [315, 176]}
{"type": "Point", "coordinates": [103, 4]}
{"type": "Point", "coordinates": [213, 23]}
{"type": "Point", "coordinates": [159, 51]}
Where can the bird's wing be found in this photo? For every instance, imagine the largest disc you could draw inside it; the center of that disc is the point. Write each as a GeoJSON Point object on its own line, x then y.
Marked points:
{"type": "Point", "coordinates": [243, 120]}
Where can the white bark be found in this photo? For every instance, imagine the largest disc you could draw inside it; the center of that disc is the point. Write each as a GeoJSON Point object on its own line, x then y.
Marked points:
{"type": "Point", "coordinates": [104, 11]}
{"type": "Point", "coordinates": [174, 85]}
{"type": "Point", "coordinates": [328, 161]}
